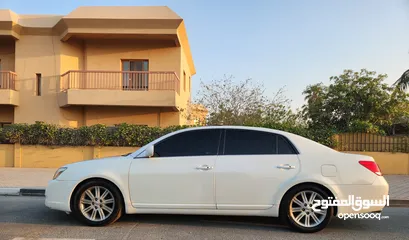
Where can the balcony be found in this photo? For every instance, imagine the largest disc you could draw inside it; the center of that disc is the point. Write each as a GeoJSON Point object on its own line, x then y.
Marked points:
{"type": "Point", "coordinates": [119, 88]}
{"type": "Point", "coordinates": [8, 93]}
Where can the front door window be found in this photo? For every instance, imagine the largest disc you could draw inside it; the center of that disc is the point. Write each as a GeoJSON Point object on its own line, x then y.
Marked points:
{"type": "Point", "coordinates": [190, 143]}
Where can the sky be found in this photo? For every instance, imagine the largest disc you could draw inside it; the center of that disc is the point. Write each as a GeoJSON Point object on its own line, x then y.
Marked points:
{"type": "Point", "coordinates": [285, 43]}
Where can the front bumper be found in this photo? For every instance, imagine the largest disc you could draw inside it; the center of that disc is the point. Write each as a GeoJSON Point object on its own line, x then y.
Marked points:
{"type": "Point", "coordinates": [58, 194]}
{"type": "Point", "coordinates": [377, 191]}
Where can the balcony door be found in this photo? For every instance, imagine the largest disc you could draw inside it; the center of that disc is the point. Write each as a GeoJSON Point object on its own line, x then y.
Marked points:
{"type": "Point", "coordinates": [136, 76]}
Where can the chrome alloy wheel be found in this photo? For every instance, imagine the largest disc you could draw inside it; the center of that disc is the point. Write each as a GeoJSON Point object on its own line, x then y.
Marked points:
{"type": "Point", "coordinates": [97, 203]}
{"type": "Point", "coordinates": [301, 210]}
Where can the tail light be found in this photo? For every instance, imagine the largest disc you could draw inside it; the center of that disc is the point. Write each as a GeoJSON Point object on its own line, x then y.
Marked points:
{"type": "Point", "coordinates": [371, 166]}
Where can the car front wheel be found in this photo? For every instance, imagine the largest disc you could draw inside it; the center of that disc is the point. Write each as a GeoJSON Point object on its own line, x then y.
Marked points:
{"type": "Point", "coordinates": [97, 203]}
{"type": "Point", "coordinates": [299, 213]}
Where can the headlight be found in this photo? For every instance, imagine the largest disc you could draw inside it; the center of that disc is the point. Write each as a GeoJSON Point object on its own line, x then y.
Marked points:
{"type": "Point", "coordinates": [58, 172]}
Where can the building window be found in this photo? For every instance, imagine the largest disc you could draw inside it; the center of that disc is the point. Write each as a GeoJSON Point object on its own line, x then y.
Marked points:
{"type": "Point", "coordinates": [38, 84]}
{"type": "Point", "coordinates": [184, 81]}
{"type": "Point", "coordinates": [136, 76]}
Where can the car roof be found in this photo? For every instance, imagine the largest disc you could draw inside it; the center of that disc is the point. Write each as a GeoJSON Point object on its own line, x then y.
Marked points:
{"type": "Point", "coordinates": [238, 127]}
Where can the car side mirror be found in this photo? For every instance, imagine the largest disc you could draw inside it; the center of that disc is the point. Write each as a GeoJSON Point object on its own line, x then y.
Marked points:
{"type": "Point", "coordinates": [150, 152]}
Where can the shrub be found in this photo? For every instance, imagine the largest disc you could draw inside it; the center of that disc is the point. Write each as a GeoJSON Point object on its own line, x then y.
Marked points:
{"type": "Point", "coordinates": [124, 134]}
{"type": "Point", "coordinates": [365, 127]}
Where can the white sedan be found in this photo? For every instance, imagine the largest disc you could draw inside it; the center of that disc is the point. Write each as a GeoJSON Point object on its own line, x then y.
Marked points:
{"type": "Point", "coordinates": [221, 170]}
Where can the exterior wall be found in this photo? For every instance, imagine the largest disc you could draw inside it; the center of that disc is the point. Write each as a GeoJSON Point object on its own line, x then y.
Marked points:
{"type": "Point", "coordinates": [41, 54]}
{"type": "Point", "coordinates": [72, 56]}
{"type": "Point", "coordinates": [45, 157]}
{"type": "Point", "coordinates": [6, 114]}
{"type": "Point", "coordinates": [115, 115]}
{"type": "Point", "coordinates": [9, 97]}
{"type": "Point", "coordinates": [103, 152]}
{"type": "Point", "coordinates": [106, 55]}
{"type": "Point", "coordinates": [117, 98]}
{"type": "Point", "coordinates": [53, 156]}
{"type": "Point", "coordinates": [131, 115]}
{"type": "Point", "coordinates": [6, 155]}
{"type": "Point", "coordinates": [51, 57]}
{"type": "Point", "coordinates": [37, 54]}
{"type": "Point", "coordinates": [185, 82]}
{"type": "Point", "coordinates": [170, 119]}
{"type": "Point", "coordinates": [7, 55]}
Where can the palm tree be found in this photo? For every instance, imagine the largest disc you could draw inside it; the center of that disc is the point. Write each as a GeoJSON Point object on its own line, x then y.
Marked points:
{"type": "Point", "coordinates": [314, 92]}
{"type": "Point", "coordinates": [403, 81]}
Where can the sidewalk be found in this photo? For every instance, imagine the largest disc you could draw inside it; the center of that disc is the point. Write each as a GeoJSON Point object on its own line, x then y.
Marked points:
{"type": "Point", "coordinates": [38, 178]}
{"type": "Point", "coordinates": [25, 177]}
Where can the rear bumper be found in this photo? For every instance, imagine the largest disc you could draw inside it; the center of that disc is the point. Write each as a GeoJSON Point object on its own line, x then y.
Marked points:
{"type": "Point", "coordinates": [365, 197]}
{"type": "Point", "coordinates": [58, 194]}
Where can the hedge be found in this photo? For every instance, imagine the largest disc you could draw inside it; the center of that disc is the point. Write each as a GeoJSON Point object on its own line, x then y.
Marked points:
{"type": "Point", "coordinates": [124, 134]}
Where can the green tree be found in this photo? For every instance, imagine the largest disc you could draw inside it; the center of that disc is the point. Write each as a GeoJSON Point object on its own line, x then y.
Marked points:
{"type": "Point", "coordinates": [243, 103]}
{"type": "Point", "coordinates": [355, 99]}
{"type": "Point", "coordinates": [314, 110]}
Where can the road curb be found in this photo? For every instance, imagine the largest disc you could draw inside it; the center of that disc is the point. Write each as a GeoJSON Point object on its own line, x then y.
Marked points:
{"type": "Point", "coordinates": [32, 192]}
{"type": "Point", "coordinates": [9, 191]}
{"type": "Point", "coordinates": [22, 192]}
{"type": "Point", "coordinates": [398, 203]}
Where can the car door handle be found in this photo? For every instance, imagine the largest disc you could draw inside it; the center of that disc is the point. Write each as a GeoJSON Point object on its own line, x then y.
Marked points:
{"type": "Point", "coordinates": [204, 167]}
{"type": "Point", "coordinates": [285, 166]}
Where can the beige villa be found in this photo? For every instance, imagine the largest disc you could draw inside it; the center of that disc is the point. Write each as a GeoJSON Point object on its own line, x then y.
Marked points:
{"type": "Point", "coordinates": [104, 65]}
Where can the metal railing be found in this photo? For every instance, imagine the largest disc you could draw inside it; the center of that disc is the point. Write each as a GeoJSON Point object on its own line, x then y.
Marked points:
{"type": "Point", "coordinates": [8, 80]}
{"type": "Point", "coordinates": [120, 80]}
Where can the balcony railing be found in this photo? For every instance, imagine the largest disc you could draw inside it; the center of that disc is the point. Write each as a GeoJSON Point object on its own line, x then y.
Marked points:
{"type": "Point", "coordinates": [120, 80]}
{"type": "Point", "coordinates": [8, 80]}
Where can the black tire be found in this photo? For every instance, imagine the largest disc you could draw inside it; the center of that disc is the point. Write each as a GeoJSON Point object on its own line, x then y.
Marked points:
{"type": "Point", "coordinates": [289, 218]}
{"type": "Point", "coordinates": [117, 207]}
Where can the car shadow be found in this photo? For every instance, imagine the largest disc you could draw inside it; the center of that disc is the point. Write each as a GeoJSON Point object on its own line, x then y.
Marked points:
{"type": "Point", "coordinates": [37, 213]}
{"type": "Point", "coordinates": [43, 216]}
{"type": "Point", "coordinates": [239, 222]}
{"type": "Point", "coordinates": [47, 216]}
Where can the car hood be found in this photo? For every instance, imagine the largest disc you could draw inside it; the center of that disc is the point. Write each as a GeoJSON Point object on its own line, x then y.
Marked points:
{"type": "Point", "coordinates": [97, 161]}
{"type": "Point", "coordinates": [108, 167]}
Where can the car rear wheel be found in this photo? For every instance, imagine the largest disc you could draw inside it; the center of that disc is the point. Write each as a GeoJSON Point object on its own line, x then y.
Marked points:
{"type": "Point", "coordinates": [97, 203]}
{"type": "Point", "coordinates": [298, 211]}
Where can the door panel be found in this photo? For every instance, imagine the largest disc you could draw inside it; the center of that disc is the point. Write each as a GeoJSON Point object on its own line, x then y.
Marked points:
{"type": "Point", "coordinates": [250, 182]}
{"type": "Point", "coordinates": [251, 169]}
{"type": "Point", "coordinates": [180, 175]}
{"type": "Point", "coordinates": [172, 182]}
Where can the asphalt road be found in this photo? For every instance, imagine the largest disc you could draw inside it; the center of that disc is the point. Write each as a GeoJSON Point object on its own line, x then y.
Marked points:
{"type": "Point", "coordinates": [27, 218]}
